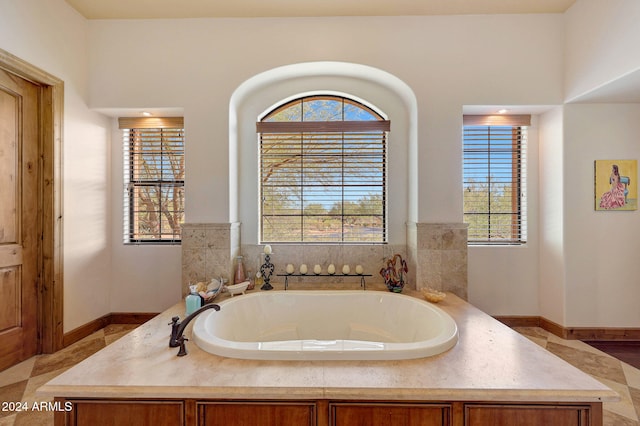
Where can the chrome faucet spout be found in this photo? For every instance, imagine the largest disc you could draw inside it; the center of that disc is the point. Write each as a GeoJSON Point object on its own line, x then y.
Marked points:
{"type": "Point", "coordinates": [177, 328]}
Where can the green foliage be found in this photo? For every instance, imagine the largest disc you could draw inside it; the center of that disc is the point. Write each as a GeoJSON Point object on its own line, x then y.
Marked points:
{"type": "Point", "coordinates": [490, 211]}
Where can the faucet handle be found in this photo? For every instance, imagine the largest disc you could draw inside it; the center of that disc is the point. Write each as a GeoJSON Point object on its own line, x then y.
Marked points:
{"type": "Point", "coordinates": [183, 349]}
{"type": "Point", "coordinates": [174, 321]}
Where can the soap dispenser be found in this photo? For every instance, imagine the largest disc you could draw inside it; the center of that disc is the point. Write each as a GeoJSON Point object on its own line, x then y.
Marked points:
{"type": "Point", "coordinates": [193, 300]}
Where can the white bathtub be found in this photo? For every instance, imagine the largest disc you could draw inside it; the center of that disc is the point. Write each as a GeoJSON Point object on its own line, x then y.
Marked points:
{"type": "Point", "coordinates": [325, 325]}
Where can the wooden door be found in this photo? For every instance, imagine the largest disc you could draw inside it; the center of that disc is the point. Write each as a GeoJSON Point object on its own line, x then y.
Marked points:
{"type": "Point", "coordinates": [20, 226]}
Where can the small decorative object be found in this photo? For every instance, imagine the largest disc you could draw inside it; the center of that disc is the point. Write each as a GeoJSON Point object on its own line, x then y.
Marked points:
{"type": "Point", "coordinates": [317, 269]}
{"type": "Point", "coordinates": [616, 185]}
{"type": "Point", "coordinates": [266, 269]}
{"type": "Point", "coordinates": [331, 269]}
{"type": "Point", "coordinates": [393, 273]}
{"type": "Point", "coordinates": [267, 249]}
{"type": "Point", "coordinates": [214, 284]}
{"type": "Point", "coordinates": [433, 296]}
{"type": "Point", "coordinates": [239, 276]}
{"type": "Point", "coordinates": [259, 279]}
{"type": "Point", "coordinates": [239, 288]}
{"type": "Point", "coordinates": [303, 269]}
{"type": "Point", "coordinates": [346, 269]}
{"type": "Point", "coordinates": [290, 269]}
{"type": "Point", "coordinates": [212, 290]}
{"type": "Point", "coordinates": [359, 270]}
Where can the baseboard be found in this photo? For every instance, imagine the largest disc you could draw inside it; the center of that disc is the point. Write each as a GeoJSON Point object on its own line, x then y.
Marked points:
{"type": "Point", "coordinates": [131, 317]}
{"type": "Point", "coordinates": [601, 334]}
{"type": "Point", "coordinates": [99, 323]}
{"type": "Point", "coordinates": [519, 321]}
{"type": "Point", "coordinates": [572, 333]}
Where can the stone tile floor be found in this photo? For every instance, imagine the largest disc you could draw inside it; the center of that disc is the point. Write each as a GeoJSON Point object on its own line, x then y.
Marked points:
{"type": "Point", "coordinates": [617, 375]}
{"type": "Point", "coordinates": [19, 383]}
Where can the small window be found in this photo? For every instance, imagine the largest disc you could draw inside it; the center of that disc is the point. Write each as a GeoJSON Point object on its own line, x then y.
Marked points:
{"type": "Point", "coordinates": [153, 179]}
{"type": "Point", "coordinates": [323, 172]}
{"type": "Point", "coordinates": [494, 179]}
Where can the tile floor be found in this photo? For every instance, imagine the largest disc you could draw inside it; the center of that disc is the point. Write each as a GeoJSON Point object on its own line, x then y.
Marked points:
{"type": "Point", "coordinates": [618, 375]}
{"type": "Point", "coordinates": [20, 382]}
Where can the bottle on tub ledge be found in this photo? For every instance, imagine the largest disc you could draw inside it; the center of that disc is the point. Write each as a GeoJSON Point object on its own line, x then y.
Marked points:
{"type": "Point", "coordinates": [193, 301]}
{"type": "Point", "coordinates": [239, 276]}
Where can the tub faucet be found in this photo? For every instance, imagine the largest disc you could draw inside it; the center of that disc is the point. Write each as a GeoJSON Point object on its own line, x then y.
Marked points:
{"type": "Point", "coordinates": [177, 328]}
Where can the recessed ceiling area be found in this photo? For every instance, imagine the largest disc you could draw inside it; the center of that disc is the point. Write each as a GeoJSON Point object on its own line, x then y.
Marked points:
{"type": "Point", "coordinates": [166, 9]}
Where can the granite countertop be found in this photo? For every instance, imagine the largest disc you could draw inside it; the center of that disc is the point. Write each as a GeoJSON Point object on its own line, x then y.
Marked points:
{"type": "Point", "coordinates": [490, 362]}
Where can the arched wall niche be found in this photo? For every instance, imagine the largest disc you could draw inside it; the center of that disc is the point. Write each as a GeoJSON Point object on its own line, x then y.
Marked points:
{"type": "Point", "coordinates": [260, 93]}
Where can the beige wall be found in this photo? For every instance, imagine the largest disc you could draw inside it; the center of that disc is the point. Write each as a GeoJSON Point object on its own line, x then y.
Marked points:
{"type": "Point", "coordinates": [199, 65]}
{"type": "Point", "coordinates": [448, 62]}
{"type": "Point", "coordinates": [52, 36]}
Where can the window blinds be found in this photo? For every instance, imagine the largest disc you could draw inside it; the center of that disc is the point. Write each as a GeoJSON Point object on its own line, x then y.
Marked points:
{"type": "Point", "coordinates": [153, 179]}
{"type": "Point", "coordinates": [494, 179]}
{"type": "Point", "coordinates": [323, 186]}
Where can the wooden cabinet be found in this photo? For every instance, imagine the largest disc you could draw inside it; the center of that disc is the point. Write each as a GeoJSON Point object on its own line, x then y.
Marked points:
{"type": "Point", "coordinates": [190, 412]}
{"type": "Point", "coordinates": [110, 412]}
{"type": "Point", "coordinates": [358, 414]}
{"type": "Point", "coordinates": [528, 415]}
{"type": "Point", "coordinates": [250, 413]}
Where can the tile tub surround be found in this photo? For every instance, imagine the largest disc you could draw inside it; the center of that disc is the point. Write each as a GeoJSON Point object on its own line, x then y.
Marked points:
{"type": "Point", "coordinates": [436, 255]}
{"type": "Point", "coordinates": [490, 362]}
{"type": "Point", "coordinates": [437, 252]}
{"type": "Point", "coordinates": [208, 250]}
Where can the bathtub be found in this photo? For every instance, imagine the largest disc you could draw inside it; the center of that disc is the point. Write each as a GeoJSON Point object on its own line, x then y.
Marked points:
{"type": "Point", "coordinates": [325, 325]}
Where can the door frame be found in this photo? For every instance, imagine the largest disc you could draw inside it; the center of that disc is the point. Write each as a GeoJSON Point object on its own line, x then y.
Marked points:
{"type": "Point", "coordinates": [50, 122]}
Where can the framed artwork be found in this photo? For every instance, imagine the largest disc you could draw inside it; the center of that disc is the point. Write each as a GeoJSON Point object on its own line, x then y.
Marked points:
{"type": "Point", "coordinates": [616, 185]}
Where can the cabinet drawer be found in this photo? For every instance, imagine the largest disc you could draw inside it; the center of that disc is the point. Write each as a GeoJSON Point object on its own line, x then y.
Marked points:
{"type": "Point", "coordinates": [526, 415]}
{"type": "Point", "coordinates": [247, 413]}
{"type": "Point", "coordinates": [396, 414]}
{"type": "Point", "coordinates": [138, 412]}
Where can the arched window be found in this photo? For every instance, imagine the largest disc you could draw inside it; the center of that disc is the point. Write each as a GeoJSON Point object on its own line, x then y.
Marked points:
{"type": "Point", "coordinates": [323, 172]}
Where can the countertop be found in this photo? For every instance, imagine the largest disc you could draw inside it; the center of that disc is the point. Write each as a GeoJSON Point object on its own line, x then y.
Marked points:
{"type": "Point", "coordinates": [490, 362]}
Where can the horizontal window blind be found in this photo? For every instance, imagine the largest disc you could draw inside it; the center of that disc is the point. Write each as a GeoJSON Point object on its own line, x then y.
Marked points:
{"type": "Point", "coordinates": [323, 187]}
{"type": "Point", "coordinates": [323, 172]}
{"type": "Point", "coordinates": [154, 184]}
{"type": "Point", "coordinates": [494, 183]}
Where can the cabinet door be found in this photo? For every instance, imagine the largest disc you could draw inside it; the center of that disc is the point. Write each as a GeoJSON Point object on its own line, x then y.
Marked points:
{"type": "Point", "coordinates": [346, 414]}
{"type": "Point", "coordinates": [526, 415]}
{"type": "Point", "coordinates": [246, 413]}
{"type": "Point", "coordinates": [139, 413]}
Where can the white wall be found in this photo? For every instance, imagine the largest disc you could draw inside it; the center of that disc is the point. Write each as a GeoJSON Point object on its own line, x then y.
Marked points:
{"type": "Point", "coordinates": [551, 269]}
{"type": "Point", "coordinates": [360, 82]}
{"type": "Point", "coordinates": [601, 247]}
{"type": "Point", "coordinates": [602, 39]}
{"type": "Point", "coordinates": [447, 61]}
{"type": "Point", "coordinates": [143, 278]}
{"type": "Point", "coordinates": [52, 36]}
{"type": "Point", "coordinates": [504, 279]}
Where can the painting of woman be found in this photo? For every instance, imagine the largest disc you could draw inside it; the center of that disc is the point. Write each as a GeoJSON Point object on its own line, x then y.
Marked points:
{"type": "Point", "coordinates": [614, 198]}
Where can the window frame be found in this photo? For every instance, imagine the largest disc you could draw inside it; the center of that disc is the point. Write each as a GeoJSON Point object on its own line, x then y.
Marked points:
{"type": "Point", "coordinates": [379, 126]}
{"type": "Point", "coordinates": [516, 229]}
{"type": "Point", "coordinates": [160, 131]}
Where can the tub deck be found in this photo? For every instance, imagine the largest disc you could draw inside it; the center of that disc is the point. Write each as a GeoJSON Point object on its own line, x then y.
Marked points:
{"type": "Point", "coordinates": [490, 363]}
